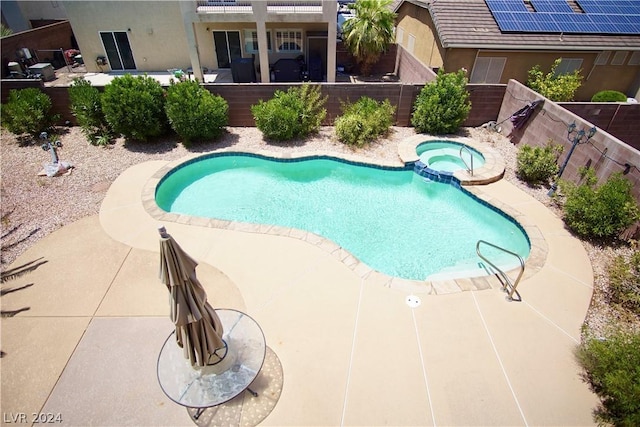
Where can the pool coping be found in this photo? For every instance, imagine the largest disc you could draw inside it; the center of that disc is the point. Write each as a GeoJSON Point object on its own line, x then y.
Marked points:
{"type": "Point", "coordinates": [492, 171]}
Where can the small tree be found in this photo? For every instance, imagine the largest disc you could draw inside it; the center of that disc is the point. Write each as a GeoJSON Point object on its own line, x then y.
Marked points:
{"type": "Point", "coordinates": [134, 106]}
{"type": "Point", "coordinates": [369, 32]}
{"type": "Point", "coordinates": [28, 111]}
{"type": "Point", "coordinates": [442, 105]}
{"type": "Point", "coordinates": [195, 113]}
{"type": "Point", "coordinates": [612, 370]}
{"type": "Point", "coordinates": [86, 106]}
{"type": "Point", "coordinates": [601, 212]}
{"type": "Point", "coordinates": [559, 87]}
{"type": "Point", "coordinates": [624, 282]}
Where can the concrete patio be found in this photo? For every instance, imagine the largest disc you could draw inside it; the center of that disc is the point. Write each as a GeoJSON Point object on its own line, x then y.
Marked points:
{"type": "Point", "coordinates": [349, 348]}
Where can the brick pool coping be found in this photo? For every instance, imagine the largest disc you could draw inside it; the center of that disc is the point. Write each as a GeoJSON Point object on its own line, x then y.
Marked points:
{"type": "Point", "coordinates": [491, 171]}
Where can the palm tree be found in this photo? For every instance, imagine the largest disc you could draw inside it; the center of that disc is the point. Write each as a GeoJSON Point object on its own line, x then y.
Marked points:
{"type": "Point", "coordinates": [369, 32]}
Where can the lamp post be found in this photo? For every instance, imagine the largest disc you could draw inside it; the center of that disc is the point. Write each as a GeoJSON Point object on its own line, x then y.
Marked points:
{"type": "Point", "coordinates": [576, 138]}
{"type": "Point", "coordinates": [50, 147]}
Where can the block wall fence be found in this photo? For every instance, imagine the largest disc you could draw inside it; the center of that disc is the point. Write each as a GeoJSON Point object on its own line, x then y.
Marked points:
{"type": "Point", "coordinates": [604, 152]}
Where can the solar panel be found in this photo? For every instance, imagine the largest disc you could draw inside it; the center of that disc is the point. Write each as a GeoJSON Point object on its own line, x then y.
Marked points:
{"type": "Point", "coordinates": [557, 16]}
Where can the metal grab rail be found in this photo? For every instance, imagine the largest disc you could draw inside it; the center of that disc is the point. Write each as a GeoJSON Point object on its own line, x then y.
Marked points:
{"type": "Point", "coordinates": [507, 284]}
{"type": "Point", "coordinates": [469, 169]}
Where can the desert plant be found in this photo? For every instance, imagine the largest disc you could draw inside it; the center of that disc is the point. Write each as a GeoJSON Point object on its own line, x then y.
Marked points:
{"type": "Point", "coordinates": [609, 96]}
{"type": "Point", "coordinates": [363, 121]}
{"type": "Point", "coordinates": [611, 367]}
{"type": "Point", "coordinates": [297, 112]}
{"type": "Point", "coordinates": [442, 105]}
{"type": "Point", "coordinates": [5, 31]}
{"type": "Point", "coordinates": [86, 106]}
{"type": "Point", "coordinates": [559, 87]}
{"type": "Point", "coordinates": [27, 111]}
{"type": "Point", "coordinates": [624, 282]}
{"type": "Point", "coordinates": [536, 165]}
{"type": "Point", "coordinates": [600, 212]}
{"type": "Point", "coordinates": [195, 113]}
{"type": "Point", "coordinates": [369, 32]}
{"type": "Point", "coordinates": [134, 106]}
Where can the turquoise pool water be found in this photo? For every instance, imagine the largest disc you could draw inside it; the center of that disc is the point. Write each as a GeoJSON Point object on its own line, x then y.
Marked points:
{"type": "Point", "coordinates": [445, 156]}
{"type": "Point", "coordinates": [393, 220]}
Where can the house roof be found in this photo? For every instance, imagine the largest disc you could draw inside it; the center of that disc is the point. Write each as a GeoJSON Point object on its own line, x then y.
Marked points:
{"type": "Point", "coordinates": [470, 24]}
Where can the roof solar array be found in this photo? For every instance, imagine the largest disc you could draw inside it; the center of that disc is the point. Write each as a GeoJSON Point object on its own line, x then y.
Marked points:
{"type": "Point", "coordinates": [557, 16]}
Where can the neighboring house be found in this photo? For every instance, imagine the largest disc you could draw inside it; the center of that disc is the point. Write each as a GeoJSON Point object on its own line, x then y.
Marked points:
{"type": "Point", "coordinates": [161, 35]}
{"type": "Point", "coordinates": [454, 34]}
{"type": "Point", "coordinates": [22, 15]}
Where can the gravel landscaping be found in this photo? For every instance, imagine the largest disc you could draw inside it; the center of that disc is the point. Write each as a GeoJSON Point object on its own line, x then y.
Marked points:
{"type": "Point", "coordinates": [33, 206]}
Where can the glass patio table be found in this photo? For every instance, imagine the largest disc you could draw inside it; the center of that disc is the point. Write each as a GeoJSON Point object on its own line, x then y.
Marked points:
{"type": "Point", "coordinates": [204, 388]}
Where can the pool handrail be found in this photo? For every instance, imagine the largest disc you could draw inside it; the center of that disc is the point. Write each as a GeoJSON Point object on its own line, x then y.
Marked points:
{"type": "Point", "coordinates": [469, 169]}
{"type": "Point", "coordinates": [507, 284]}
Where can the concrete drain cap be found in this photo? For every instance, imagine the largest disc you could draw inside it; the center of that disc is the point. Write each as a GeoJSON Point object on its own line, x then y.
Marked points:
{"type": "Point", "coordinates": [413, 301]}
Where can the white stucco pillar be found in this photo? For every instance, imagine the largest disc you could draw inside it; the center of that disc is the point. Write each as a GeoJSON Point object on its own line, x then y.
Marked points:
{"type": "Point", "coordinates": [260, 14]}
{"type": "Point", "coordinates": [188, 9]}
{"type": "Point", "coordinates": [330, 12]}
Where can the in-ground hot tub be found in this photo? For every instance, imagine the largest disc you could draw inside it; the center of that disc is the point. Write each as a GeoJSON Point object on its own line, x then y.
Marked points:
{"type": "Point", "coordinates": [448, 156]}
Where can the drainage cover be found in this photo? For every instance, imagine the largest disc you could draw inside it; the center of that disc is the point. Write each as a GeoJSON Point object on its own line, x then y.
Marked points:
{"type": "Point", "coordinates": [413, 301]}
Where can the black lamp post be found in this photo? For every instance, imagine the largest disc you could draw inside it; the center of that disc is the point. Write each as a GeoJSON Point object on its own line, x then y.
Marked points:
{"type": "Point", "coordinates": [576, 138]}
{"type": "Point", "coordinates": [50, 147]}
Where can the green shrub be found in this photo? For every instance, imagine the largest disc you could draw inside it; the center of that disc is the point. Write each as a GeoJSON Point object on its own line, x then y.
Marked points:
{"type": "Point", "coordinates": [609, 96]}
{"type": "Point", "coordinates": [624, 283]}
{"type": "Point", "coordinates": [27, 111]}
{"type": "Point", "coordinates": [86, 106]}
{"type": "Point", "coordinates": [601, 212]}
{"type": "Point", "coordinates": [553, 85]}
{"type": "Point", "coordinates": [612, 370]}
{"type": "Point", "coordinates": [134, 106]}
{"type": "Point", "coordinates": [442, 105]}
{"type": "Point", "coordinates": [297, 112]}
{"type": "Point", "coordinates": [363, 121]}
{"type": "Point", "coordinates": [195, 113]}
{"type": "Point", "coordinates": [536, 165]}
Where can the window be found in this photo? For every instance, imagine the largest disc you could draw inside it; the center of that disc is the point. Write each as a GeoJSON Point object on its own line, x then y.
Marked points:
{"type": "Point", "coordinates": [118, 50]}
{"type": "Point", "coordinates": [618, 58]}
{"type": "Point", "coordinates": [635, 58]}
{"type": "Point", "coordinates": [568, 65]}
{"type": "Point", "coordinates": [488, 70]}
{"type": "Point", "coordinates": [289, 40]}
{"type": "Point", "coordinates": [399, 36]}
{"type": "Point", "coordinates": [251, 41]}
{"type": "Point", "coordinates": [411, 43]}
{"type": "Point", "coordinates": [603, 57]}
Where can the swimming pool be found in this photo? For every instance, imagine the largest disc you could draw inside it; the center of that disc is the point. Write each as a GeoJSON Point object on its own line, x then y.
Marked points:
{"type": "Point", "coordinates": [392, 219]}
{"type": "Point", "coordinates": [446, 155]}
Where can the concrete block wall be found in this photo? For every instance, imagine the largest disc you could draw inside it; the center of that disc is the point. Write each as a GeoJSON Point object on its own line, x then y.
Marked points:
{"type": "Point", "coordinates": [485, 103]}
{"type": "Point", "coordinates": [604, 152]}
{"type": "Point", "coordinates": [54, 36]}
{"type": "Point", "coordinates": [410, 70]}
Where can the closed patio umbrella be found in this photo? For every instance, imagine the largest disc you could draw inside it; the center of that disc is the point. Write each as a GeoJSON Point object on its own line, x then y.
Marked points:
{"type": "Point", "coordinates": [520, 117]}
{"type": "Point", "coordinates": [198, 328]}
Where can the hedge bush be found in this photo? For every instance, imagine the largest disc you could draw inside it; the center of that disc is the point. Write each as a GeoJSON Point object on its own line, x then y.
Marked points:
{"type": "Point", "coordinates": [609, 96]}
{"type": "Point", "coordinates": [612, 370]}
{"type": "Point", "coordinates": [536, 165]}
{"type": "Point", "coordinates": [363, 121]}
{"type": "Point", "coordinates": [28, 111]}
{"type": "Point", "coordinates": [194, 113]}
{"type": "Point", "coordinates": [86, 106]}
{"type": "Point", "coordinates": [624, 283]}
{"type": "Point", "coordinates": [134, 107]}
{"type": "Point", "coordinates": [600, 212]}
{"type": "Point", "coordinates": [297, 112]}
{"type": "Point", "coordinates": [442, 105]}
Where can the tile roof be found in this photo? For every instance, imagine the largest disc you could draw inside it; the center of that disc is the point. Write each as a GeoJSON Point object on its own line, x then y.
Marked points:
{"type": "Point", "coordinates": [469, 23]}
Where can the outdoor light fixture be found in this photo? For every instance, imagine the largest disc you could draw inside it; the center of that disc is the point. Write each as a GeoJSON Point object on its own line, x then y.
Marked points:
{"type": "Point", "coordinates": [576, 138]}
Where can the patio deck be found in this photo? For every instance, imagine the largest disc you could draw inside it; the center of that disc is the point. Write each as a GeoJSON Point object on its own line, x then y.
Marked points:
{"type": "Point", "coordinates": [350, 350]}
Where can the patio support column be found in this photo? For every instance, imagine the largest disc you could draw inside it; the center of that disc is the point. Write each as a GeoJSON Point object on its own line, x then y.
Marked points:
{"type": "Point", "coordinates": [188, 9]}
{"type": "Point", "coordinates": [330, 13]}
{"type": "Point", "coordinates": [260, 15]}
